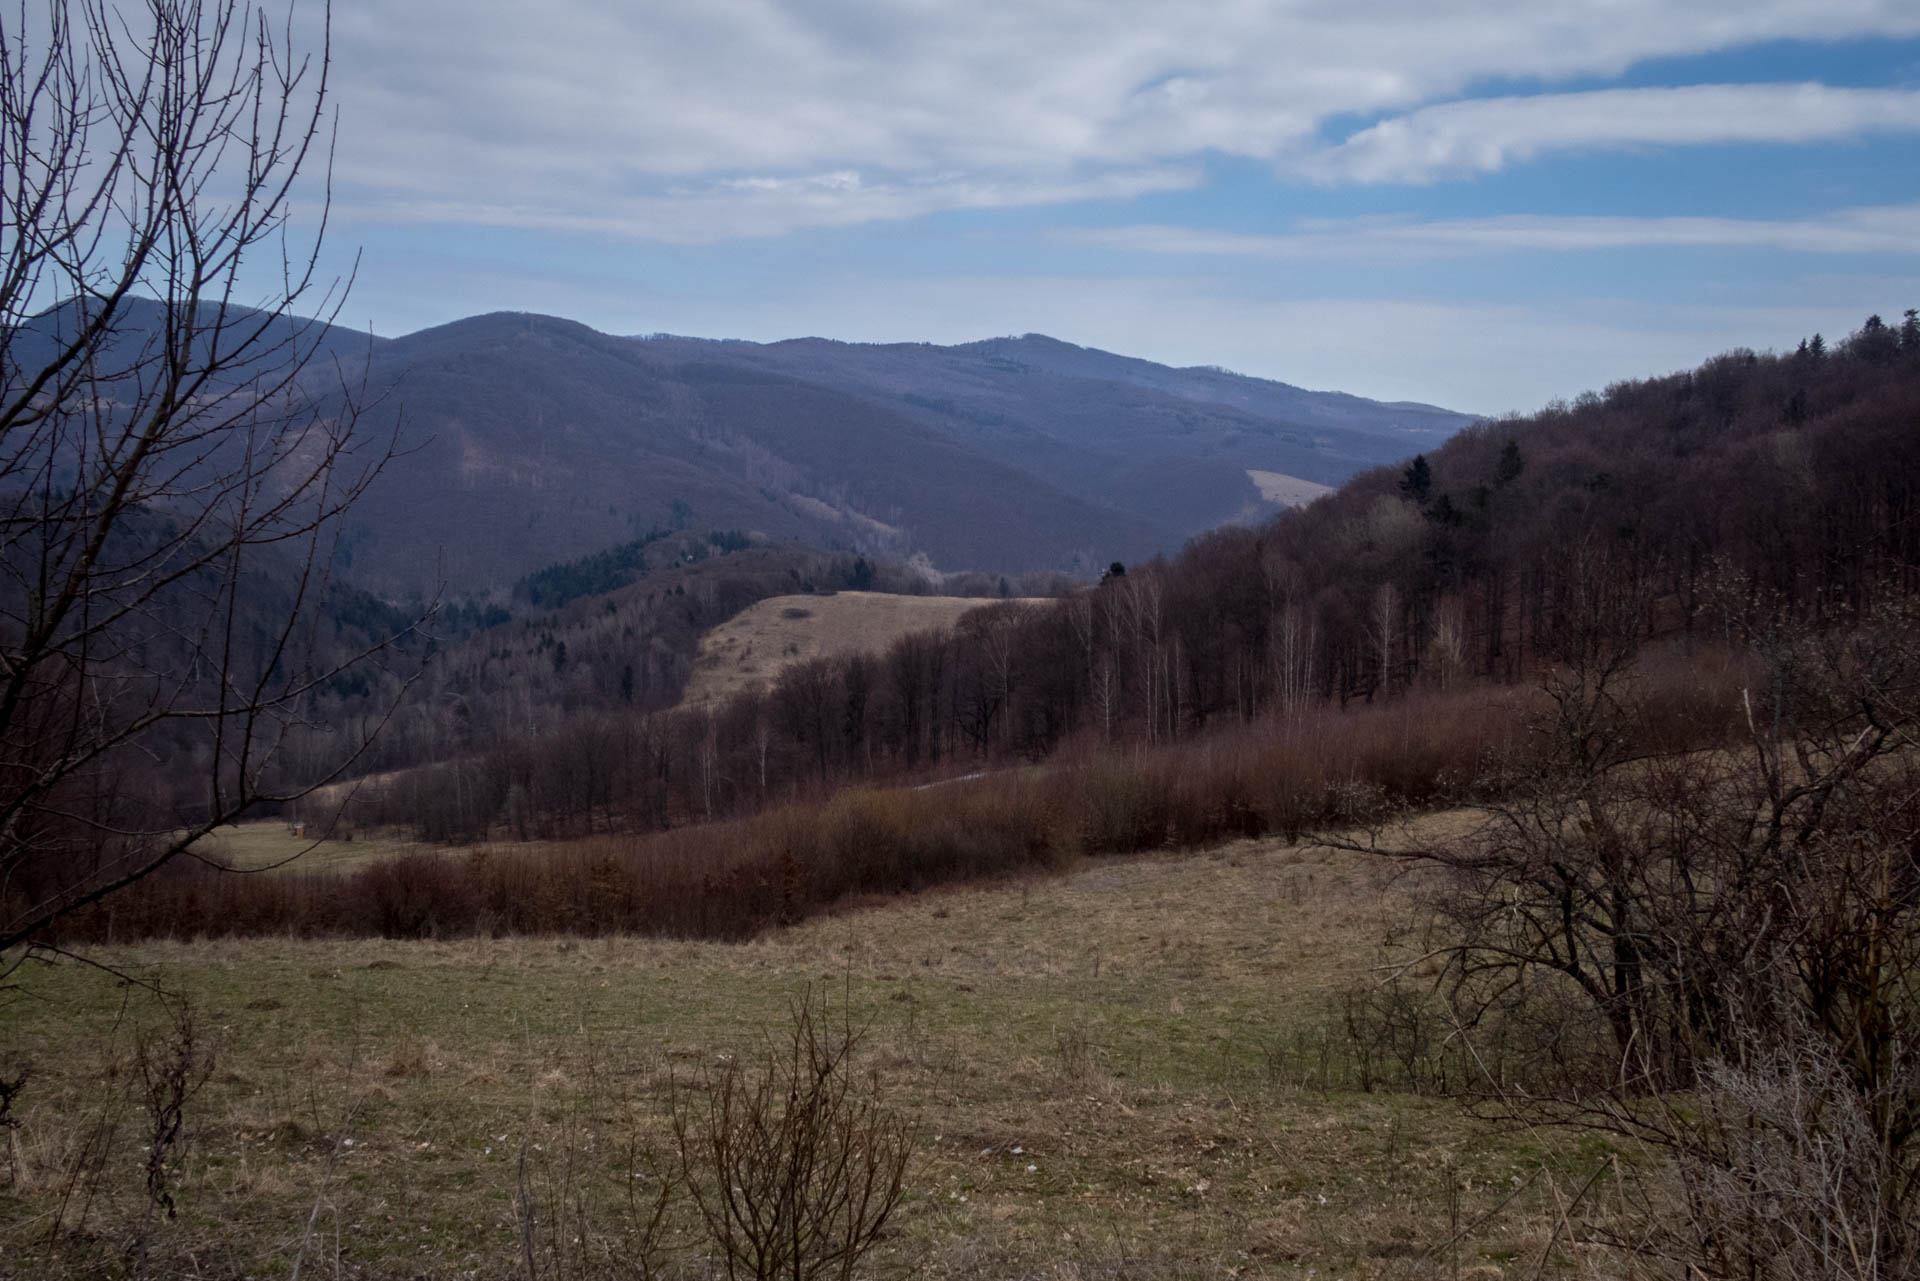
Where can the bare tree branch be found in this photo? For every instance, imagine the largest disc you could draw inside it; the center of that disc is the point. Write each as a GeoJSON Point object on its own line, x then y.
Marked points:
{"type": "Point", "coordinates": [178, 443]}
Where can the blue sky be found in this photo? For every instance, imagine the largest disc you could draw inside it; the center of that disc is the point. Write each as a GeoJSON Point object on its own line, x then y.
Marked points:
{"type": "Point", "coordinates": [1481, 205]}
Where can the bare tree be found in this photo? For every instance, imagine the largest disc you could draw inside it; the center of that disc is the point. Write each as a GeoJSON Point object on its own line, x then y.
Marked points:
{"type": "Point", "coordinates": [1386, 634]}
{"type": "Point", "coordinates": [1293, 645]}
{"type": "Point", "coordinates": [1715, 953]}
{"type": "Point", "coordinates": [1448, 650]}
{"type": "Point", "coordinates": [177, 442]}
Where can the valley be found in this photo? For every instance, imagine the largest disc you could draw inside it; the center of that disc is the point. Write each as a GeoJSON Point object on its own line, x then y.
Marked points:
{"type": "Point", "coordinates": [1252, 928]}
{"type": "Point", "coordinates": [544, 736]}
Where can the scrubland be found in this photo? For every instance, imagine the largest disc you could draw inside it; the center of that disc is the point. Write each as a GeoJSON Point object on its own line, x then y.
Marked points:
{"type": "Point", "coordinates": [1284, 778]}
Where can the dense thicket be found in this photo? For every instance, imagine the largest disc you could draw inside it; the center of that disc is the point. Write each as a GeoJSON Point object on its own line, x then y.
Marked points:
{"type": "Point", "coordinates": [1792, 479]}
{"type": "Point", "coordinates": [735, 878]}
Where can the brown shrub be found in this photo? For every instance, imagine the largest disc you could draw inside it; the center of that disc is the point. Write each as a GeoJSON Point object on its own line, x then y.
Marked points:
{"type": "Point", "coordinates": [1275, 777]}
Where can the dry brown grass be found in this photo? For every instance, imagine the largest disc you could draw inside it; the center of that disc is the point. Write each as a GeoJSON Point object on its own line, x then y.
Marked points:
{"type": "Point", "coordinates": [1278, 487]}
{"type": "Point", "coordinates": [763, 640]}
{"type": "Point", "coordinates": [1087, 1060]}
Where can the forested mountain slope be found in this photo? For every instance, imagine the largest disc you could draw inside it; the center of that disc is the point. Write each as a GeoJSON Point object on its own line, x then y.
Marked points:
{"type": "Point", "coordinates": [1171, 444]}
{"type": "Point", "coordinates": [535, 440]}
{"type": "Point", "coordinates": [1685, 506]}
{"type": "Point", "coordinates": [527, 440]}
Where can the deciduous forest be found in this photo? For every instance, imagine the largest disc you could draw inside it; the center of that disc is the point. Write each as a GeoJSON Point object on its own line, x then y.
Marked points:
{"type": "Point", "coordinates": [1781, 484]}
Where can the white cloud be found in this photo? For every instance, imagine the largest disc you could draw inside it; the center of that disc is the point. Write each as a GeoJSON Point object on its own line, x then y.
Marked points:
{"type": "Point", "coordinates": [1486, 134]}
{"type": "Point", "coordinates": [578, 111]}
{"type": "Point", "coordinates": [743, 208]}
{"type": "Point", "coordinates": [1891, 229]}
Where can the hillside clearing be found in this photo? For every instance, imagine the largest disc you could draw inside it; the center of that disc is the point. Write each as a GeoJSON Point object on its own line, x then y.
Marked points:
{"type": "Point", "coordinates": [272, 844]}
{"type": "Point", "coordinates": [1291, 491]}
{"type": "Point", "coordinates": [763, 640]}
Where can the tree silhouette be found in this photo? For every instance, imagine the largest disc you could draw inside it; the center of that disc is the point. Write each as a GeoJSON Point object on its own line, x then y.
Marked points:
{"type": "Point", "coordinates": [175, 451]}
{"type": "Point", "coordinates": [1417, 481]}
{"type": "Point", "coordinates": [1508, 469]}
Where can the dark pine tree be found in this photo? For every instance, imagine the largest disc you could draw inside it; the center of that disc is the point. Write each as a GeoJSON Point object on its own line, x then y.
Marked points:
{"type": "Point", "coordinates": [1417, 482]}
{"type": "Point", "coordinates": [1510, 466]}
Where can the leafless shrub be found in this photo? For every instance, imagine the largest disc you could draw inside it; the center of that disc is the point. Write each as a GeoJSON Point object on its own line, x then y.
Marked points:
{"type": "Point", "coordinates": [173, 1067]}
{"type": "Point", "coordinates": [794, 1167]}
{"type": "Point", "coordinates": [1396, 1035]}
{"type": "Point", "coordinates": [170, 1067]}
{"type": "Point", "coordinates": [1786, 1175]}
{"type": "Point", "coordinates": [13, 1083]}
{"type": "Point", "coordinates": [1076, 1052]}
{"type": "Point", "coordinates": [1739, 928]}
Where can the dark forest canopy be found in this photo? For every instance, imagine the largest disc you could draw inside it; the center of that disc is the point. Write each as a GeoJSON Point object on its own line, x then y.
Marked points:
{"type": "Point", "coordinates": [1783, 483]}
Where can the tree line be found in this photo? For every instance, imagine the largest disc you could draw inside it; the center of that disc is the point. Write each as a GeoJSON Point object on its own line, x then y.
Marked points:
{"type": "Point", "coordinates": [1785, 479]}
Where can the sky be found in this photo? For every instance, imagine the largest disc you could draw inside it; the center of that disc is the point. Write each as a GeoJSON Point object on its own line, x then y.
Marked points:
{"type": "Point", "coordinates": [1480, 205]}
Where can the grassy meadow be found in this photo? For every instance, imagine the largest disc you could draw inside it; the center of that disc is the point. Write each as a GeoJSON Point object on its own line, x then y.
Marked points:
{"type": "Point", "coordinates": [766, 638]}
{"type": "Point", "coordinates": [262, 845]}
{"type": "Point", "coordinates": [1133, 1069]}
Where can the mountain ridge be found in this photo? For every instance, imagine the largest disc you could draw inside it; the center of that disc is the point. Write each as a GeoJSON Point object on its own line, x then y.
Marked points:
{"type": "Point", "coordinates": [1075, 458]}
{"type": "Point", "coordinates": [526, 440]}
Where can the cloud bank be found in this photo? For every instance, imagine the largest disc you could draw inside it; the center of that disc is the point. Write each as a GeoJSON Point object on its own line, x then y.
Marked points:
{"type": "Point", "coordinates": [735, 118]}
{"type": "Point", "coordinates": [1893, 229]}
{"type": "Point", "coordinates": [1487, 134]}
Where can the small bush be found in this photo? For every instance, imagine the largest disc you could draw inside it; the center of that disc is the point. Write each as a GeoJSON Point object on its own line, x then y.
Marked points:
{"type": "Point", "coordinates": [794, 1170]}
{"type": "Point", "coordinates": [13, 1082]}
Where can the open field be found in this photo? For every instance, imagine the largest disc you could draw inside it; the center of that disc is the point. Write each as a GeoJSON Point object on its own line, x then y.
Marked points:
{"type": "Point", "coordinates": [766, 638]}
{"type": "Point", "coordinates": [264, 844]}
{"type": "Point", "coordinates": [270, 845]}
{"type": "Point", "coordinates": [1278, 487]}
{"type": "Point", "coordinates": [1131, 1071]}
